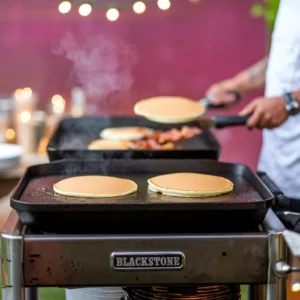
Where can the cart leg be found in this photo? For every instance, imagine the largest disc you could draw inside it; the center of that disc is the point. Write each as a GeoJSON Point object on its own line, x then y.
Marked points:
{"type": "Point", "coordinates": [277, 291]}
{"type": "Point", "coordinates": [11, 262]}
{"type": "Point", "coordinates": [31, 294]}
{"type": "Point", "coordinates": [8, 293]}
{"type": "Point", "coordinates": [256, 292]}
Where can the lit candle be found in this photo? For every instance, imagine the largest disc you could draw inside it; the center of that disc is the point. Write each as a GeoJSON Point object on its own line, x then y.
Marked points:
{"type": "Point", "coordinates": [51, 123]}
{"type": "Point", "coordinates": [10, 135]}
{"type": "Point", "coordinates": [78, 102]}
{"type": "Point", "coordinates": [24, 106]}
{"type": "Point", "coordinates": [25, 132]}
{"type": "Point", "coordinates": [25, 99]}
{"type": "Point", "coordinates": [58, 105]}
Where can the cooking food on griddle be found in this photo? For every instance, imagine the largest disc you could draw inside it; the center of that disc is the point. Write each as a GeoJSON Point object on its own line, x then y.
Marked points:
{"type": "Point", "coordinates": [158, 140]}
{"type": "Point", "coordinates": [169, 109]}
{"type": "Point", "coordinates": [164, 140]}
{"type": "Point", "coordinates": [101, 144]}
{"type": "Point", "coordinates": [151, 144]}
{"type": "Point", "coordinates": [125, 133]}
{"type": "Point", "coordinates": [175, 135]}
{"type": "Point", "coordinates": [95, 187]}
{"type": "Point", "coordinates": [126, 145]}
{"type": "Point", "coordinates": [190, 185]}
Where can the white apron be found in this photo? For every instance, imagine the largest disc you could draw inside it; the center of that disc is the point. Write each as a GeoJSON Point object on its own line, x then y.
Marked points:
{"type": "Point", "coordinates": [280, 155]}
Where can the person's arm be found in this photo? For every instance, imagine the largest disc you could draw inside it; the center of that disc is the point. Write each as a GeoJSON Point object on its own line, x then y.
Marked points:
{"type": "Point", "coordinates": [250, 79]}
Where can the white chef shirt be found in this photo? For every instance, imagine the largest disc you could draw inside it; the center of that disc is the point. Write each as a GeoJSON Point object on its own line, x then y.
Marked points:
{"type": "Point", "coordinates": [280, 155]}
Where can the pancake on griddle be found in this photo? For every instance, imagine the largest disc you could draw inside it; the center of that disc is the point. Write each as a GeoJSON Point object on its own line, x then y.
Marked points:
{"type": "Point", "coordinates": [125, 133]}
{"type": "Point", "coordinates": [169, 109]}
{"type": "Point", "coordinates": [95, 187]}
{"type": "Point", "coordinates": [101, 144]}
{"type": "Point", "coordinates": [190, 185]}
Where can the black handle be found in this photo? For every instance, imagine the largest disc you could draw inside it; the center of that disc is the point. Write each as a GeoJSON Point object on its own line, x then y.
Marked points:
{"type": "Point", "coordinates": [207, 102]}
{"type": "Point", "coordinates": [225, 121]}
{"type": "Point", "coordinates": [280, 199]}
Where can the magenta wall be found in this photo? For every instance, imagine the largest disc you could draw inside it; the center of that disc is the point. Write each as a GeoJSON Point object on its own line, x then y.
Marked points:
{"type": "Point", "coordinates": [178, 52]}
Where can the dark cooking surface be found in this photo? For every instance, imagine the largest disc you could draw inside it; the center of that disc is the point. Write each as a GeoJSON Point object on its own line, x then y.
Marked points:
{"type": "Point", "coordinates": [40, 190]}
{"type": "Point", "coordinates": [40, 207]}
{"type": "Point", "coordinates": [73, 136]}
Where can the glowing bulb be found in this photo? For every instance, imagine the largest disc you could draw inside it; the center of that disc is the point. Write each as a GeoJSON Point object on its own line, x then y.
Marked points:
{"type": "Point", "coordinates": [10, 134]}
{"type": "Point", "coordinates": [85, 9]}
{"type": "Point", "coordinates": [139, 7]}
{"type": "Point", "coordinates": [163, 4]}
{"type": "Point", "coordinates": [26, 93]}
{"type": "Point", "coordinates": [25, 117]}
{"type": "Point", "coordinates": [64, 7]}
{"type": "Point", "coordinates": [112, 14]}
{"type": "Point", "coordinates": [296, 287]}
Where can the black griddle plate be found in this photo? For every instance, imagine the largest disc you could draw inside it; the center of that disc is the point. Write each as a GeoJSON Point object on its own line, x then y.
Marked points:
{"type": "Point", "coordinates": [73, 135]}
{"type": "Point", "coordinates": [39, 206]}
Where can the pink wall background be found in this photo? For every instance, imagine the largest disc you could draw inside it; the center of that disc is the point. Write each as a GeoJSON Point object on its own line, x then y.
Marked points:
{"type": "Point", "coordinates": [179, 52]}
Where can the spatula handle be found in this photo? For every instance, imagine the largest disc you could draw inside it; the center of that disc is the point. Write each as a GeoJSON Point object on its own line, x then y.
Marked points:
{"type": "Point", "coordinates": [208, 103]}
{"type": "Point", "coordinates": [226, 121]}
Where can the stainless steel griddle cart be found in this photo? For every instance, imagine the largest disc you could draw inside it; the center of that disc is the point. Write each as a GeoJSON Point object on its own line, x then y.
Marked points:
{"type": "Point", "coordinates": [146, 243]}
{"type": "Point", "coordinates": [259, 259]}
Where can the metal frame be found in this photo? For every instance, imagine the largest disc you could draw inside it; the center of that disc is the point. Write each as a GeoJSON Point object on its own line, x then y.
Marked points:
{"type": "Point", "coordinates": [31, 261]}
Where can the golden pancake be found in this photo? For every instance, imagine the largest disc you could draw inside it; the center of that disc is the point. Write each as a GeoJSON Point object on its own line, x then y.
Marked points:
{"type": "Point", "coordinates": [95, 187]}
{"type": "Point", "coordinates": [190, 185]}
{"type": "Point", "coordinates": [125, 133]}
{"type": "Point", "coordinates": [108, 145]}
{"type": "Point", "coordinates": [169, 109]}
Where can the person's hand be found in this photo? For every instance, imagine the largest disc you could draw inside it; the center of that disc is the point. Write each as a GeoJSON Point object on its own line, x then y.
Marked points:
{"type": "Point", "coordinates": [265, 112]}
{"type": "Point", "coordinates": [220, 94]}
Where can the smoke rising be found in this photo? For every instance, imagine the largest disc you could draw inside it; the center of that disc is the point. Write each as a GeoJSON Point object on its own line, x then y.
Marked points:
{"type": "Point", "coordinates": [102, 64]}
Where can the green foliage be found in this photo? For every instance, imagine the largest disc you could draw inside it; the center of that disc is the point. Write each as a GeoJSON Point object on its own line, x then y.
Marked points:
{"type": "Point", "coordinates": [267, 10]}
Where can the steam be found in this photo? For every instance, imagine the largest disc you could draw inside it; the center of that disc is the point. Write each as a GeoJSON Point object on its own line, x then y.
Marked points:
{"type": "Point", "coordinates": [102, 64]}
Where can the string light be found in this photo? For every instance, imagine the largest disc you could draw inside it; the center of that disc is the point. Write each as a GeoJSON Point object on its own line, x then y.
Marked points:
{"type": "Point", "coordinates": [64, 7]}
{"type": "Point", "coordinates": [139, 7]}
{"type": "Point", "coordinates": [112, 14]}
{"type": "Point", "coordinates": [164, 4]}
{"type": "Point", "coordinates": [85, 9]}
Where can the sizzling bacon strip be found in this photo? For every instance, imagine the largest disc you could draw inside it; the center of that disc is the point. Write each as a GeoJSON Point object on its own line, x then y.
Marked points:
{"type": "Point", "coordinates": [150, 144]}
{"type": "Point", "coordinates": [175, 135]}
{"type": "Point", "coordinates": [164, 140]}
